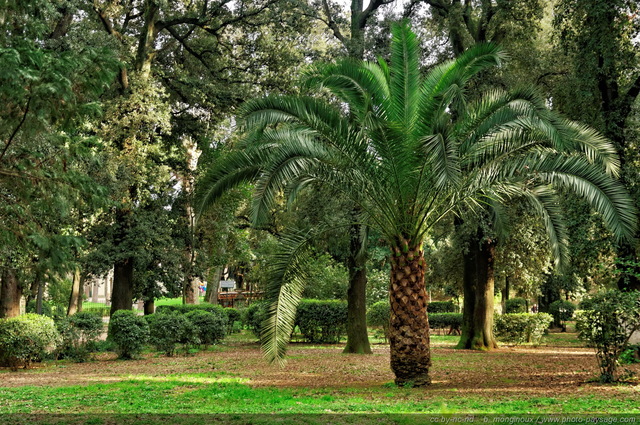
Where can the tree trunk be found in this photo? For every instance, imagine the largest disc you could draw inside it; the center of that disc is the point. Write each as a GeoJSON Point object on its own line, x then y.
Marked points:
{"type": "Point", "coordinates": [40, 296]}
{"type": "Point", "coordinates": [357, 336]}
{"type": "Point", "coordinates": [10, 294]}
{"type": "Point", "coordinates": [190, 289]}
{"type": "Point", "coordinates": [149, 306]}
{"type": "Point", "coordinates": [75, 300]}
{"type": "Point", "coordinates": [211, 295]}
{"type": "Point", "coordinates": [478, 282]}
{"type": "Point", "coordinates": [122, 291]}
{"type": "Point", "coordinates": [409, 325]}
{"type": "Point", "coordinates": [505, 294]}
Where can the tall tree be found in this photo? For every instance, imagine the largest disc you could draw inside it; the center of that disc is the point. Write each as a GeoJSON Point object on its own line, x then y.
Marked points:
{"type": "Point", "coordinates": [48, 90]}
{"type": "Point", "coordinates": [603, 83]}
{"type": "Point", "coordinates": [410, 151]}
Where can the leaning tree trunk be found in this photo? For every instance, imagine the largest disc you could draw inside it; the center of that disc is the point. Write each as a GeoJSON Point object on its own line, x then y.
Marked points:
{"type": "Point", "coordinates": [357, 336]}
{"type": "Point", "coordinates": [409, 325]}
{"type": "Point", "coordinates": [10, 294]}
{"type": "Point", "coordinates": [122, 291]}
{"type": "Point", "coordinates": [75, 299]}
{"type": "Point", "coordinates": [213, 282]}
{"type": "Point", "coordinates": [478, 283]}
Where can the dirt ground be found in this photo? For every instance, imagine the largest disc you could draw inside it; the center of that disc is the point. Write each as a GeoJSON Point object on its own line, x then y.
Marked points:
{"type": "Point", "coordinates": [523, 371]}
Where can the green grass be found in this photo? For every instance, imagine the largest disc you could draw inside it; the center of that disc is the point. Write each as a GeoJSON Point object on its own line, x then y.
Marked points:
{"type": "Point", "coordinates": [211, 393]}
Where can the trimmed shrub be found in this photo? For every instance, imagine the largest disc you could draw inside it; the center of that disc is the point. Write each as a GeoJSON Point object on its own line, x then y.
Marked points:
{"type": "Point", "coordinates": [49, 309]}
{"type": "Point", "coordinates": [453, 321]}
{"type": "Point", "coordinates": [26, 339]}
{"type": "Point", "coordinates": [607, 322]}
{"type": "Point", "coordinates": [442, 307]}
{"type": "Point", "coordinates": [378, 316]}
{"type": "Point", "coordinates": [254, 315]}
{"type": "Point", "coordinates": [80, 333]}
{"type": "Point", "coordinates": [210, 327]}
{"type": "Point", "coordinates": [129, 332]}
{"type": "Point", "coordinates": [519, 328]}
{"type": "Point", "coordinates": [186, 308]}
{"type": "Point", "coordinates": [167, 330]}
{"type": "Point", "coordinates": [561, 311]}
{"type": "Point", "coordinates": [322, 321]}
{"type": "Point", "coordinates": [233, 316]}
{"type": "Point", "coordinates": [516, 305]}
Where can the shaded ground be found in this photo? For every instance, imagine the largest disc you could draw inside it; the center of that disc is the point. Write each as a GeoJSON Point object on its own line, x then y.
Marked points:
{"type": "Point", "coordinates": [520, 372]}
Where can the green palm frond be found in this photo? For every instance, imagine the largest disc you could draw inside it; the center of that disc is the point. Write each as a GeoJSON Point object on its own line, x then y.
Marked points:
{"type": "Point", "coordinates": [286, 280]}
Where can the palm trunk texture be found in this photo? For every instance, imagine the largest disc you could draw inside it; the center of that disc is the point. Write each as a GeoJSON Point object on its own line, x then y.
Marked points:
{"type": "Point", "coordinates": [409, 325]}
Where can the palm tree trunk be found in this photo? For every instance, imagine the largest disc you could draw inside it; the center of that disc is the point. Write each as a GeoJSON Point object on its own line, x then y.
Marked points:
{"type": "Point", "coordinates": [478, 283]}
{"type": "Point", "coordinates": [357, 336]}
{"type": "Point", "coordinates": [409, 325]}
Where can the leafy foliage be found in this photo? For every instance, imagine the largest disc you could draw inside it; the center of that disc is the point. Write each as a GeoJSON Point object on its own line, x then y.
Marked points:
{"type": "Point", "coordinates": [441, 307]}
{"type": "Point", "coordinates": [129, 332]}
{"type": "Point", "coordinates": [378, 316]}
{"type": "Point", "coordinates": [607, 321]}
{"type": "Point", "coordinates": [519, 328]}
{"type": "Point", "coordinates": [516, 305]}
{"type": "Point", "coordinates": [453, 321]}
{"type": "Point", "coordinates": [322, 321]}
{"type": "Point", "coordinates": [167, 330]}
{"type": "Point", "coordinates": [254, 317]}
{"type": "Point", "coordinates": [210, 328]}
{"type": "Point", "coordinates": [561, 311]}
{"type": "Point", "coordinates": [80, 332]}
{"type": "Point", "coordinates": [26, 339]}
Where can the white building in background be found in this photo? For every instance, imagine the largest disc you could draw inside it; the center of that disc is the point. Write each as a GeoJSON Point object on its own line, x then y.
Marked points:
{"type": "Point", "coordinates": [97, 289]}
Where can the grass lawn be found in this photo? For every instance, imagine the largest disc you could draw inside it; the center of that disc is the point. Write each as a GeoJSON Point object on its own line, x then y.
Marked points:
{"type": "Point", "coordinates": [319, 384]}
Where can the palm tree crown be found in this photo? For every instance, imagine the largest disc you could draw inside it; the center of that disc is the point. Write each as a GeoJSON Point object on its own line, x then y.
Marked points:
{"type": "Point", "coordinates": [409, 150]}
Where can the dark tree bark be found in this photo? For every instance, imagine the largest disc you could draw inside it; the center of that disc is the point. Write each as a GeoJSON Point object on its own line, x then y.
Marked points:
{"type": "Point", "coordinates": [505, 294]}
{"type": "Point", "coordinates": [75, 299]}
{"type": "Point", "coordinates": [149, 306]}
{"type": "Point", "coordinates": [10, 294]}
{"type": "Point", "coordinates": [478, 283]}
{"type": "Point", "coordinates": [409, 325]}
{"type": "Point", "coordinates": [357, 336]}
{"type": "Point", "coordinates": [211, 296]}
{"type": "Point", "coordinates": [122, 291]}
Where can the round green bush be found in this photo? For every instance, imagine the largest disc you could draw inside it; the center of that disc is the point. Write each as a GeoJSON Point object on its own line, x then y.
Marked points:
{"type": "Point", "coordinates": [519, 328]}
{"type": "Point", "coordinates": [255, 315]}
{"type": "Point", "coordinates": [80, 333]}
{"type": "Point", "coordinates": [209, 327]}
{"type": "Point", "coordinates": [129, 332]}
{"type": "Point", "coordinates": [561, 311]}
{"type": "Point", "coordinates": [167, 330]}
{"type": "Point", "coordinates": [607, 321]}
{"type": "Point", "coordinates": [233, 316]}
{"type": "Point", "coordinates": [26, 339]}
{"type": "Point", "coordinates": [516, 305]}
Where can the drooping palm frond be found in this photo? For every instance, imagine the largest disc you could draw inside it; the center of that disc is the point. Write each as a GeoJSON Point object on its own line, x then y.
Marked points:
{"type": "Point", "coordinates": [286, 281]}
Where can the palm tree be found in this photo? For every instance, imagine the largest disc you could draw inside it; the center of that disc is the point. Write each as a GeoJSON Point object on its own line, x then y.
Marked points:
{"type": "Point", "coordinates": [410, 151]}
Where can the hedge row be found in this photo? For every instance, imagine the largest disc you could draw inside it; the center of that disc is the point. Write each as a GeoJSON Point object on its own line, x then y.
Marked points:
{"type": "Point", "coordinates": [518, 328]}
{"type": "Point", "coordinates": [322, 321]}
